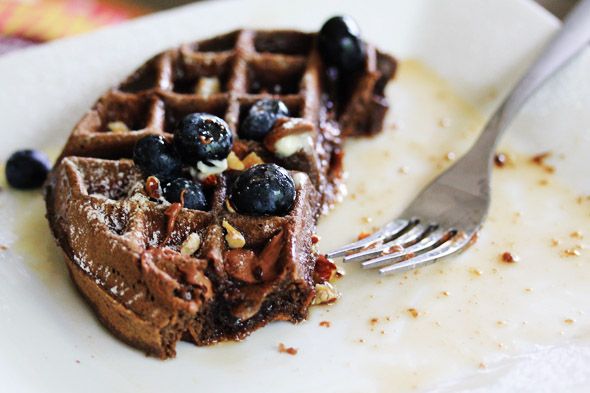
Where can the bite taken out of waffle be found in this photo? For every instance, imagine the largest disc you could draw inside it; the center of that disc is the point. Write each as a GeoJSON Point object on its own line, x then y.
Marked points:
{"type": "Point", "coordinates": [156, 271]}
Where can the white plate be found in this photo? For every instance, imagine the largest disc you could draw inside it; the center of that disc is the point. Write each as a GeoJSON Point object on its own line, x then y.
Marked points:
{"type": "Point", "coordinates": [471, 323]}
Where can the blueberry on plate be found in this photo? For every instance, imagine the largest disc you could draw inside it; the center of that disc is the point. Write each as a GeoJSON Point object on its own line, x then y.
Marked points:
{"type": "Point", "coordinates": [194, 198]}
{"type": "Point", "coordinates": [264, 189]}
{"type": "Point", "coordinates": [156, 157]}
{"type": "Point", "coordinates": [27, 169]}
{"type": "Point", "coordinates": [261, 118]}
{"type": "Point", "coordinates": [200, 137]}
{"type": "Point", "coordinates": [340, 44]}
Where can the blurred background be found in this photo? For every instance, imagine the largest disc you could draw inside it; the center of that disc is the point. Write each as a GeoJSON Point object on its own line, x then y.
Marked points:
{"type": "Point", "coordinates": [25, 23]}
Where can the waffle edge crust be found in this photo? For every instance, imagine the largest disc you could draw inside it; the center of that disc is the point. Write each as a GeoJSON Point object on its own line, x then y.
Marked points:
{"type": "Point", "coordinates": [124, 257]}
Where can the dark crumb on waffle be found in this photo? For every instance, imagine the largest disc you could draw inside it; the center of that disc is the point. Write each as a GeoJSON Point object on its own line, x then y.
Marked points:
{"type": "Point", "coordinates": [155, 274]}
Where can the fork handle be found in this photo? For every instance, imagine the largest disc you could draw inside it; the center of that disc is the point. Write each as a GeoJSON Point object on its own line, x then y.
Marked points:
{"type": "Point", "coordinates": [571, 38]}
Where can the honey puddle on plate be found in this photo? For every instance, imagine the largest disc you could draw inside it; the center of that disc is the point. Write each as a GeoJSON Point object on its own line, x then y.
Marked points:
{"type": "Point", "coordinates": [414, 330]}
{"type": "Point", "coordinates": [464, 314]}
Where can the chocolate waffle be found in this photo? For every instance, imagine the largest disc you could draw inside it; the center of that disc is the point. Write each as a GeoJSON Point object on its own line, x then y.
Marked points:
{"type": "Point", "coordinates": [155, 274]}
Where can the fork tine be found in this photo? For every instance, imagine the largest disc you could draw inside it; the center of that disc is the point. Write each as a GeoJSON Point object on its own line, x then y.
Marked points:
{"type": "Point", "coordinates": [412, 235]}
{"type": "Point", "coordinates": [389, 230]}
{"type": "Point", "coordinates": [426, 243]}
{"type": "Point", "coordinates": [452, 245]}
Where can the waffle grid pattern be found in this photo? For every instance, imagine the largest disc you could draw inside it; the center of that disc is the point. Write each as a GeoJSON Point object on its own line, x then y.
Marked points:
{"type": "Point", "coordinates": [111, 232]}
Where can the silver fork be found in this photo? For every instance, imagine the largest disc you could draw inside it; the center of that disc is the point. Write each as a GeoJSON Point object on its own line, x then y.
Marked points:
{"type": "Point", "coordinates": [447, 214]}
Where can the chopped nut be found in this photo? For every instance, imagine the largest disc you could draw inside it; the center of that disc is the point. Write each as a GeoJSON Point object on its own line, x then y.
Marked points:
{"type": "Point", "coordinates": [240, 149]}
{"type": "Point", "coordinates": [233, 162]}
{"type": "Point", "coordinates": [172, 213]}
{"type": "Point", "coordinates": [229, 207]}
{"type": "Point", "coordinates": [475, 272]}
{"type": "Point", "coordinates": [362, 235]}
{"type": "Point", "coordinates": [207, 86]}
{"type": "Point", "coordinates": [324, 270]}
{"type": "Point", "coordinates": [233, 237]}
{"type": "Point", "coordinates": [251, 160]}
{"type": "Point", "coordinates": [499, 160]}
{"type": "Point", "coordinates": [571, 252]}
{"type": "Point", "coordinates": [369, 246]}
{"type": "Point", "coordinates": [325, 293]}
{"type": "Point", "coordinates": [508, 257]}
{"type": "Point", "coordinates": [152, 187]}
{"type": "Point", "coordinates": [210, 181]}
{"type": "Point", "coordinates": [540, 158]}
{"type": "Point", "coordinates": [191, 244]}
{"type": "Point", "coordinates": [117, 127]}
{"type": "Point", "coordinates": [290, 351]}
{"type": "Point", "coordinates": [392, 249]}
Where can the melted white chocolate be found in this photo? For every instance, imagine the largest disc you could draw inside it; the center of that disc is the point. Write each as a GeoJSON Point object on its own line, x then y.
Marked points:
{"type": "Point", "coordinates": [216, 167]}
{"type": "Point", "coordinates": [461, 315]}
{"type": "Point", "coordinates": [291, 144]}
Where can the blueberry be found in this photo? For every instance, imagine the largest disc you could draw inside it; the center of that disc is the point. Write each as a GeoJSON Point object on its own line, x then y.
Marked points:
{"type": "Point", "coordinates": [340, 44]}
{"type": "Point", "coordinates": [194, 198]}
{"type": "Point", "coordinates": [27, 169]}
{"type": "Point", "coordinates": [265, 189]}
{"type": "Point", "coordinates": [156, 157]}
{"type": "Point", "coordinates": [202, 137]}
{"type": "Point", "coordinates": [261, 119]}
